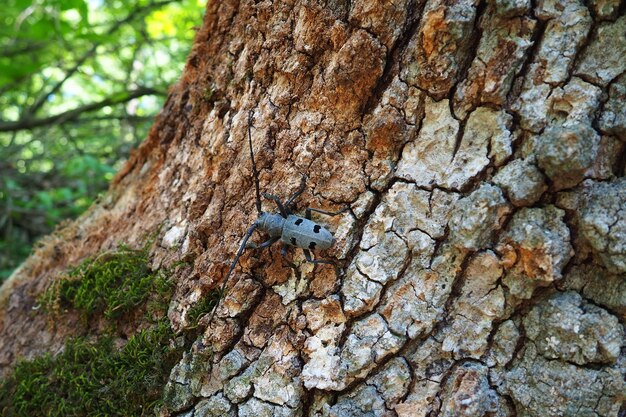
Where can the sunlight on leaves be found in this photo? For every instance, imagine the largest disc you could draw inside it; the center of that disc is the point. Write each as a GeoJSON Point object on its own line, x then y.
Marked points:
{"type": "Point", "coordinates": [80, 83]}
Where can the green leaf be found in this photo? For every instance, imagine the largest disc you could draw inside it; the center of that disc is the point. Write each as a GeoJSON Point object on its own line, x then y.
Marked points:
{"type": "Point", "coordinates": [60, 169]}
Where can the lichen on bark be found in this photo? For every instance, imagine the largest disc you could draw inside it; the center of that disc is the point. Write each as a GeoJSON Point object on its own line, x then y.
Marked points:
{"type": "Point", "coordinates": [480, 268]}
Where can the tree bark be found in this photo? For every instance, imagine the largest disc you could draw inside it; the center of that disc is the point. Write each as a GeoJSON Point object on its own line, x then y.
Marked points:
{"type": "Point", "coordinates": [482, 264]}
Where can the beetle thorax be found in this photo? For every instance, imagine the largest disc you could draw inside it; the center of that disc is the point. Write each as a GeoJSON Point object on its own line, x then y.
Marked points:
{"type": "Point", "coordinates": [272, 224]}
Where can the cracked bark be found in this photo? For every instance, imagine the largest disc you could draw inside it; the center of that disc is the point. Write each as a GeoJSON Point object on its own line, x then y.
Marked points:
{"type": "Point", "coordinates": [480, 148]}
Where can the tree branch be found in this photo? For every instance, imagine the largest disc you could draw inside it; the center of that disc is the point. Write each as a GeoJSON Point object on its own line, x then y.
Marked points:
{"type": "Point", "coordinates": [23, 49]}
{"type": "Point", "coordinates": [75, 113]}
{"type": "Point", "coordinates": [122, 117]}
{"type": "Point", "coordinates": [132, 15]}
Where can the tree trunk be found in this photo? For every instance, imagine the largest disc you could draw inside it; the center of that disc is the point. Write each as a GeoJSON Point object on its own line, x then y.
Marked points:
{"type": "Point", "coordinates": [481, 267]}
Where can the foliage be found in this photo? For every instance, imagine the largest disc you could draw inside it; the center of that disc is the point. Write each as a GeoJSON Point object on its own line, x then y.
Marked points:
{"type": "Point", "coordinates": [80, 82]}
{"type": "Point", "coordinates": [112, 284]}
{"type": "Point", "coordinates": [94, 377]}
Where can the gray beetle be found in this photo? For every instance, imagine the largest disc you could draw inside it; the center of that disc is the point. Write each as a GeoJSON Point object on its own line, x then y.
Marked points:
{"type": "Point", "coordinates": [291, 230]}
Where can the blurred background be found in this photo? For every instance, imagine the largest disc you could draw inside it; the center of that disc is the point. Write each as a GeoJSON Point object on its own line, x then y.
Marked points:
{"type": "Point", "coordinates": [80, 84]}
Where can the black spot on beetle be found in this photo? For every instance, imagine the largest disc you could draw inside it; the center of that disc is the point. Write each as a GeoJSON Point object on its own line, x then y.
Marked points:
{"type": "Point", "coordinates": [312, 245]}
{"type": "Point", "coordinates": [317, 228]}
{"type": "Point", "coordinates": [293, 241]}
{"type": "Point", "coordinates": [299, 222]}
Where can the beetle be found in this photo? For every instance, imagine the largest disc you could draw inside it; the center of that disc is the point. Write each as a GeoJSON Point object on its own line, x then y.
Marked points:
{"type": "Point", "coordinates": [284, 226]}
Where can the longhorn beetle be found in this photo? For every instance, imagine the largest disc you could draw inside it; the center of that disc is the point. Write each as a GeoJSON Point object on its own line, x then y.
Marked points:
{"type": "Point", "coordinates": [291, 230]}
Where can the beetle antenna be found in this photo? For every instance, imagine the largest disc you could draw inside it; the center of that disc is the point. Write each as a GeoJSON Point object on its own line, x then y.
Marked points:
{"type": "Point", "coordinates": [234, 263]}
{"type": "Point", "coordinates": [255, 173]}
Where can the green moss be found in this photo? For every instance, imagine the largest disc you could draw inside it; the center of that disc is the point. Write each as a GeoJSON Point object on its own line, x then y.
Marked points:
{"type": "Point", "coordinates": [96, 377]}
{"type": "Point", "coordinates": [207, 94]}
{"type": "Point", "coordinates": [202, 307]}
{"type": "Point", "coordinates": [111, 285]}
{"type": "Point", "coordinates": [92, 378]}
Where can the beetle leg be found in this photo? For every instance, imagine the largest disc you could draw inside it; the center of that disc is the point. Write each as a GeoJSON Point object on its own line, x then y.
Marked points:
{"type": "Point", "coordinates": [309, 258]}
{"type": "Point", "coordinates": [295, 195]}
{"type": "Point", "coordinates": [265, 244]}
{"type": "Point", "coordinates": [328, 213]}
{"type": "Point", "coordinates": [242, 247]}
{"type": "Point", "coordinates": [276, 200]}
{"type": "Point", "coordinates": [283, 252]}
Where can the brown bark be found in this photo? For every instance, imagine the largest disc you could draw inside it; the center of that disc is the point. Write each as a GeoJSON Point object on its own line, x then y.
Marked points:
{"type": "Point", "coordinates": [480, 147]}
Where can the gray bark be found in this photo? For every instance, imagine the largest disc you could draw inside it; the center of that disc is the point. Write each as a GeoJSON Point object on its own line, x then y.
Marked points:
{"type": "Point", "coordinates": [480, 148]}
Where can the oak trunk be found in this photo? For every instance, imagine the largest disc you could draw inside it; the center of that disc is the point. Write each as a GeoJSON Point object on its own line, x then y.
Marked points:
{"type": "Point", "coordinates": [481, 267]}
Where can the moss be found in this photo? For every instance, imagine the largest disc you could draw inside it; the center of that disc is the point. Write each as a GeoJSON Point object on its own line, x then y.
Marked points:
{"type": "Point", "coordinates": [202, 307]}
{"type": "Point", "coordinates": [207, 94]}
{"type": "Point", "coordinates": [92, 378]}
{"type": "Point", "coordinates": [111, 285]}
{"type": "Point", "coordinates": [95, 377]}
